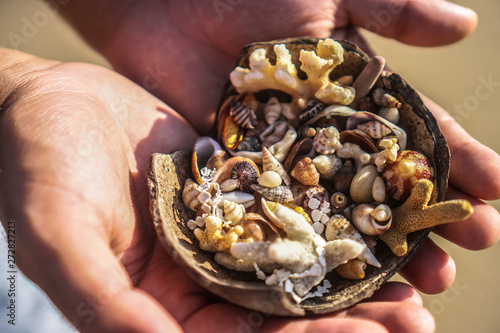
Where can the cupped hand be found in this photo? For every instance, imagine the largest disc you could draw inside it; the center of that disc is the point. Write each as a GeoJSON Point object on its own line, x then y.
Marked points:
{"type": "Point", "coordinates": [190, 47]}
{"type": "Point", "coordinates": [75, 139]}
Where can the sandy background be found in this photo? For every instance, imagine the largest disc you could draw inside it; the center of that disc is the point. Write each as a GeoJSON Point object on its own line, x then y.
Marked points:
{"type": "Point", "coordinates": [449, 75]}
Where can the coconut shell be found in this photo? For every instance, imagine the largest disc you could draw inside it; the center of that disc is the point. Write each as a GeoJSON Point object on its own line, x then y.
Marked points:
{"type": "Point", "coordinates": [167, 174]}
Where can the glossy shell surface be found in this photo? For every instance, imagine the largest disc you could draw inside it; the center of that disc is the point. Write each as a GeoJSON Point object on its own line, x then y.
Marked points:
{"type": "Point", "coordinates": [167, 174]}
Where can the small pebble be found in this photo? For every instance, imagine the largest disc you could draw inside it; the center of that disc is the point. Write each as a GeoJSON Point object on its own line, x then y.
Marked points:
{"type": "Point", "coordinates": [318, 227]}
{"type": "Point", "coordinates": [313, 203]}
{"type": "Point", "coordinates": [316, 215]}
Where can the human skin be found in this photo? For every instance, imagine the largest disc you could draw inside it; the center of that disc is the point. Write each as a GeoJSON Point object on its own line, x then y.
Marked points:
{"type": "Point", "coordinates": [76, 137]}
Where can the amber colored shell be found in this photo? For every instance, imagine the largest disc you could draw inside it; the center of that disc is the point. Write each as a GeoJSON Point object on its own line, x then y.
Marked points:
{"type": "Point", "coordinates": [167, 173]}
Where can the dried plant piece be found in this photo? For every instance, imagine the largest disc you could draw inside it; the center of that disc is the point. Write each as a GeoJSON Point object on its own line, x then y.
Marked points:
{"type": "Point", "coordinates": [415, 214]}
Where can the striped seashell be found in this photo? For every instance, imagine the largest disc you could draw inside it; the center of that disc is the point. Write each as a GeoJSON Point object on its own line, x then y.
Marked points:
{"type": "Point", "coordinates": [272, 110]}
{"type": "Point", "coordinates": [327, 140]}
{"type": "Point", "coordinates": [362, 184]}
{"type": "Point", "coordinates": [242, 114]}
{"type": "Point", "coordinates": [246, 174]}
{"type": "Point", "coordinates": [274, 133]}
{"type": "Point", "coordinates": [312, 108]}
{"type": "Point", "coordinates": [233, 211]}
{"type": "Point", "coordinates": [327, 165]}
{"type": "Point", "coordinates": [305, 172]}
{"type": "Point", "coordinates": [382, 98]}
{"type": "Point", "coordinates": [190, 195]}
{"type": "Point", "coordinates": [270, 163]}
{"type": "Point", "coordinates": [375, 129]}
{"type": "Point", "coordinates": [279, 194]}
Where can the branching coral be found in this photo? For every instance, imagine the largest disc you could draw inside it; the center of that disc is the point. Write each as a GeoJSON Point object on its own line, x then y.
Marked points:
{"type": "Point", "coordinates": [283, 76]}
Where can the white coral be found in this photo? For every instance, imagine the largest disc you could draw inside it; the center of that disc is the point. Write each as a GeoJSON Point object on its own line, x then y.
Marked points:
{"type": "Point", "coordinates": [283, 76]}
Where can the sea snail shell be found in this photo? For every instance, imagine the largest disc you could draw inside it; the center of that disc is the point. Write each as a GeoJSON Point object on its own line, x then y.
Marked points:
{"type": "Point", "coordinates": [372, 221]}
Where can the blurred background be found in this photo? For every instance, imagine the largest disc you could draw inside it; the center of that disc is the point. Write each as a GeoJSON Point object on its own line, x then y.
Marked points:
{"type": "Point", "coordinates": [450, 75]}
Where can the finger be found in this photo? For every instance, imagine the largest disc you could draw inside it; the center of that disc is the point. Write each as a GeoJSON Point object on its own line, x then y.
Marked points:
{"type": "Point", "coordinates": [479, 231]}
{"type": "Point", "coordinates": [468, 157]}
{"type": "Point", "coordinates": [396, 292]}
{"type": "Point", "coordinates": [422, 22]}
{"type": "Point", "coordinates": [396, 316]}
{"type": "Point", "coordinates": [431, 270]}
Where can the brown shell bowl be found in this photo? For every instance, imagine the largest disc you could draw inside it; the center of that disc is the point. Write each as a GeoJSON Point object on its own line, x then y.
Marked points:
{"type": "Point", "coordinates": [167, 173]}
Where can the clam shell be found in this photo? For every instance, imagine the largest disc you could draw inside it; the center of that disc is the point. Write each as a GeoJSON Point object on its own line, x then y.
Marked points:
{"type": "Point", "coordinates": [167, 173]}
{"type": "Point", "coordinates": [362, 184]}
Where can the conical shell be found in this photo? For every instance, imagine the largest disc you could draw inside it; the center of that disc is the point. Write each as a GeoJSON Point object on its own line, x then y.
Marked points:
{"type": "Point", "coordinates": [327, 165]}
{"type": "Point", "coordinates": [272, 110]}
{"type": "Point", "coordinates": [233, 211]}
{"type": "Point", "coordinates": [242, 114]}
{"type": "Point", "coordinates": [190, 194]}
{"type": "Point", "coordinates": [270, 163]}
{"type": "Point", "coordinates": [305, 172]}
{"type": "Point", "coordinates": [279, 194]}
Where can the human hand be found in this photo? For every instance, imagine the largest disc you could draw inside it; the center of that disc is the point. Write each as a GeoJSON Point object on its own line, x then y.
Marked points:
{"type": "Point", "coordinates": [192, 46]}
{"type": "Point", "coordinates": [73, 152]}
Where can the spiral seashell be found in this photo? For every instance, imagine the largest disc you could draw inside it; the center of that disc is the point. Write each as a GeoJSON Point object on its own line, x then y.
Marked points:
{"type": "Point", "coordinates": [372, 221]}
{"type": "Point", "coordinates": [305, 172]}
{"type": "Point", "coordinates": [279, 194]}
{"type": "Point", "coordinates": [312, 108]}
{"type": "Point", "coordinates": [190, 194]}
{"type": "Point", "coordinates": [343, 177]}
{"type": "Point", "coordinates": [242, 114]}
{"type": "Point", "coordinates": [327, 165]}
{"type": "Point", "coordinates": [391, 114]}
{"type": "Point", "coordinates": [258, 229]}
{"type": "Point", "coordinates": [272, 110]}
{"type": "Point", "coordinates": [327, 140]}
{"type": "Point", "coordinates": [274, 133]}
{"type": "Point", "coordinates": [382, 98]}
{"type": "Point", "coordinates": [375, 129]}
{"type": "Point", "coordinates": [250, 143]}
{"type": "Point", "coordinates": [233, 211]}
{"type": "Point", "coordinates": [306, 131]}
{"type": "Point", "coordinates": [362, 184]}
{"type": "Point", "coordinates": [246, 174]}
{"type": "Point", "coordinates": [269, 179]}
{"type": "Point", "coordinates": [354, 269]}
{"type": "Point", "coordinates": [402, 174]}
{"type": "Point", "coordinates": [270, 163]}
{"type": "Point", "coordinates": [338, 202]}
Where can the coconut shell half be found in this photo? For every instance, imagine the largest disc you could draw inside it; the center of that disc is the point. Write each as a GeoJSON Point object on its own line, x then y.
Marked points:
{"type": "Point", "coordinates": [167, 174]}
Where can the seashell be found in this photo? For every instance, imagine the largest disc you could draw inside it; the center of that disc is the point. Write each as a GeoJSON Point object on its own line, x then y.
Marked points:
{"type": "Point", "coordinates": [232, 134]}
{"type": "Point", "coordinates": [246, 199]}
{"type": "Point", "coordinates": [402, 174]}
{"type": "Point", "coordinates": [303, 148]}
{"type": "Point", "coordinates": [327, 165]}
{"type": "Point", "coordinates": [331, 112]}
{"type": "Point", "coordinates": [391, 114]}
{"type": "Point", "coordinates": [378, 189]}
{"type": "Point", "coordinates": [233, 212]}
{"type": "Point", "coordinates": [354, 269]}
{"type": "Point", "coordinates": [279, 194]}
{"type": "Point", "coordinates": [250, 100]}
{"type": "Point", "coordinates": [375, 129]}
{"type": "Point", "coordinates": [363, 117]}
{"type": "Point", "coordinates": [372, 221]}
{"type": "Point", "coordinates": [246, 174]}
{"type": "Point", "coordinates": [327, 140]}
{"type": "Point", "coordinates": [343, 177]}
{"type": "Point", "coordinates": [274, 133]}
{"type": "Point", "coordinates": [317, 198]}
{"type": "Point", "coordinates": [228, 185]}
{"type": "Point", "coordinates": [224, 172]}
{"type": "Point", "coordinates": [270, 163]}
{"type": "Point", "coordinates": [306, 131]}
{"type": "Point", "coordinates": [362, 184]}
{"type": "Point", "coordinates": [360, 138]}
{"type": "Point", "coordinates": [250, 143]}
{"type": "Point", "coordinates": [205, 148]}
{"type": "Point", "coordinates": [382, 98]}
{"type": "Point", "coordinates": [269, 179]}
{"type": "Point", "coordinates": [217, 159]}
{"type": "Point", "coordinates": [312, 108]}
{"type": "Point", "coordinates": [258, 229]}
{"type": "Point", "coordinates": [190, 194]}
{"type": "Point", "coordinates": [305, 172]}
{"type": "Point", "coordinates": [290, 112]}
{"type": "Point", "coordinates": [242, 114]}
{"type": "Point", "coordinates": [272, 110]}
{"type": "Point", "coordinates": [338, 202]}
{"type": "Point", "coordinates": [367, 78]}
